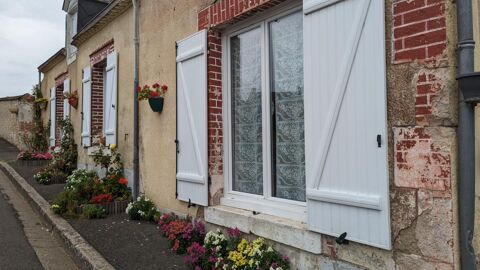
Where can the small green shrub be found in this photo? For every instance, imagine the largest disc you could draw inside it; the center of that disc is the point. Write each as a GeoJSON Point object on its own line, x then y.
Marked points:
{"type": "Point", "coordinates": [142, 209]}
{"type": "Point", "coordinates": [91, 211]}
{"type": "Point", "coordinates": [65, 203]}
{"type": "Point", "coordinates": [43, 177]}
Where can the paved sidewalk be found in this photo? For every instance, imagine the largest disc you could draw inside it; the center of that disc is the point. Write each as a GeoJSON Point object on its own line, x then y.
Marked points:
{"type": "Point", "coordinates": [25, 241]}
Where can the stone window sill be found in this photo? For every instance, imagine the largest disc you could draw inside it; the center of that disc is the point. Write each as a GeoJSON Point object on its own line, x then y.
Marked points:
{"type": "Point", "coordinates": [286, 231]}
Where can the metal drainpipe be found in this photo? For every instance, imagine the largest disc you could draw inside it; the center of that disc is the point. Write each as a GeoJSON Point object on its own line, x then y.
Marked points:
{"type": "Point", "coordinates": [466, 138]}
{"type": "Point", "coordinates": [136, 159]}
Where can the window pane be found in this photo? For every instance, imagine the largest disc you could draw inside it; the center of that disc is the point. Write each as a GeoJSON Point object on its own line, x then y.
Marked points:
{"type": "Point", "coordinates": [286, 73]}
{"type": "Point", "coordinates": [247, 112]}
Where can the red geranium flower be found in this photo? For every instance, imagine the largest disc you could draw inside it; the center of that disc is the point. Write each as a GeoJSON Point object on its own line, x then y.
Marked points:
{"type": "Point", "coordinates": [139, 88]}
{"type": "Point", "coordinates": [164, 88]}
{"type": "Point", "coordinates": [123, 181]}
{"type": "Point", "coordinates": [156, 86]}
{"type": "Point", "coordinates": [153, 94]}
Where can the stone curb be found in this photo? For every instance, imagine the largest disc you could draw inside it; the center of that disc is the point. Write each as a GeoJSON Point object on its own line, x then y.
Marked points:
{"type": "Point", "coordinates": [85, 255]}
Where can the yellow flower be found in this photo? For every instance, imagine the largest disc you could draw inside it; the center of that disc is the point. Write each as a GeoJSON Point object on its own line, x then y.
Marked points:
{"type": "Point", "coordinates": [113, 146]}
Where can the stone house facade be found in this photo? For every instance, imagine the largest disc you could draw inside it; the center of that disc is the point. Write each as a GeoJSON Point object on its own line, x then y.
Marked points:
{"type": "Point", "coordinates": [297, 121]}
{"type": "Point", "coordinates": [16, 116]}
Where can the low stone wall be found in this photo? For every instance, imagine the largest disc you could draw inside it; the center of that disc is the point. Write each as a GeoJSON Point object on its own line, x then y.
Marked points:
{"type": "Point", "coordinates": [16, 115]}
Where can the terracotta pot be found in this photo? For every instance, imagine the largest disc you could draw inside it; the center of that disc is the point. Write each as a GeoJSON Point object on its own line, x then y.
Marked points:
{"type": "Point", "coordinates": [73, 102]}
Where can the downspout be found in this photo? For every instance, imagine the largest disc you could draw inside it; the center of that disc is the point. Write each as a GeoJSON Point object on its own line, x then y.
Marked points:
{"type": "Point", "coordinates": [466, 138]}
{"type": "Point", "coordinates": [40, 80]}
{"type": "Point", "coordinates": [136, 177]}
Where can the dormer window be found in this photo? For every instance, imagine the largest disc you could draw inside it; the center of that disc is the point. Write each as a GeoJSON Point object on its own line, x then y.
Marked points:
{"type": "Point", "coordinates": [71, 30]}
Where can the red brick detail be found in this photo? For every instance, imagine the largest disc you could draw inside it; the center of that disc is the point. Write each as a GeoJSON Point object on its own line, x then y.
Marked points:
{"type": "Point", "coordinates": [420, 162]}
{"type": "Point", "coordinates": [419, 30]}
{"type": "Point", "coordinates": [231, 11]}
{"type": "Point", "coordinates": [101, 53]}
{"type": "Point", "coordinates": [58, 112]}
{"type": "Point", "coordinates": [61, 78]}
{"type": "Point", "coordinates": [221, 13]}
{"type": "Point", "coordinates": [428, 87]}
{"type": "Point", "coordinates": [215, 132]}
{"type": "Point", "coordinates": [98, 80]}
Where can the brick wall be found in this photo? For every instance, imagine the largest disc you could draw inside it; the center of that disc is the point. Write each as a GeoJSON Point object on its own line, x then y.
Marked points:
{"type": "Point", "coordinates": [98, 61]}
{"type": "Point", "coordinates": [424, 147]}
{"type": "Point", "coordinates": [419, 31]}
{"type": "Point", "coordinates": [58, 112]}
{"type": "Point", "coordinates": [98, 80]}
{"type": "Point", "coordinates": [218, 14]}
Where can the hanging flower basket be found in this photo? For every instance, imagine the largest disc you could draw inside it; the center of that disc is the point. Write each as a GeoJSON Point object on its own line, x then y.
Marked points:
{"type": "Point", "coordinates": [73, 102]}
{"type": "Point", "coordinates": [72, 98]}
{"type": "Point", "coordinates": [155, 95]}
{"type": "Point", "coordinates": [156, 104]}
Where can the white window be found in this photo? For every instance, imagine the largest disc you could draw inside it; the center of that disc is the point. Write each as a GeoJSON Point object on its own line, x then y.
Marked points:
{"type": "Point", "coordinates": [264, 116]}
{"type": "Point", "coordinates": [71, 31]}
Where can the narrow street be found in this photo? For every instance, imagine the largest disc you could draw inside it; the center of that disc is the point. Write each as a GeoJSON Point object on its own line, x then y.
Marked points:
{"type": "Point", "coordinates": [25, 241]}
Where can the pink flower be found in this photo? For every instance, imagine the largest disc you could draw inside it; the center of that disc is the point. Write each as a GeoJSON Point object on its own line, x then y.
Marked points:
{"type": "Point", "coordinates": [235, 232]}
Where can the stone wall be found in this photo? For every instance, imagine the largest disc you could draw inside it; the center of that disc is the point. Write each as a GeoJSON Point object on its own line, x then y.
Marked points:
{"type": "Point", "coordinates": [16, 115]}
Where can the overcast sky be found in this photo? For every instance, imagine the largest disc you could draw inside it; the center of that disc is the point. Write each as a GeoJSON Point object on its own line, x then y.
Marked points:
{"type": "Point", "coordinates": [30, 32]}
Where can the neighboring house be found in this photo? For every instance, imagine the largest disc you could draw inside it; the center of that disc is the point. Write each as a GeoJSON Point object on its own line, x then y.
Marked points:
{"type": "Point", "coordinates": [296, 121]}
{"type": "Point", "coordinates": [98, 43]}
{"type": "Point", "coordinates": [16, 117]}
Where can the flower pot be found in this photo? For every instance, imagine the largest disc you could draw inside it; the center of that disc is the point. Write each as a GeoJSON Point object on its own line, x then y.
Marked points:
{"type": "Point", "coordinates": [156, 104]}
{"type": "Point", "coordinates": [73, 102]}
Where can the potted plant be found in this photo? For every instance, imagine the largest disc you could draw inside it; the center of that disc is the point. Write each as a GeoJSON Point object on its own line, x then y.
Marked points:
{"type": "Point", "coordinates": [42, 102]}
{"type": "Point", "coordinates": [155, 95]}
{"type": "Point", "coordinates": [72, 98]}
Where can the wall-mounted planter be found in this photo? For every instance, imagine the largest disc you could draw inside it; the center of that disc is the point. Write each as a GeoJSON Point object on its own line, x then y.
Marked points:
{"type": "Point", "coordinates": [156, 104]}
{"type": "Point", "coordinates": [73, 102]}
{"type": "Point", "coordinates": [469, 84]}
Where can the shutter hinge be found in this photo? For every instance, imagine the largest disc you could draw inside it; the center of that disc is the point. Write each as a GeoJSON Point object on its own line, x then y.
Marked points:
{"type": "Point", "coordinates": [176, 195]}
{"type": "Point", "coordinates": [342, 239]}
{"type": "Point", "coordinates": [177, 148]}
{"type": "Point", "coordinates": [209, 180]}
{"type": "Point", "coordinates": [82, 115]}
{"type": "Point", "coordinates": [190, 204]}
{"type": "Point", "coordinates": [379, 140]}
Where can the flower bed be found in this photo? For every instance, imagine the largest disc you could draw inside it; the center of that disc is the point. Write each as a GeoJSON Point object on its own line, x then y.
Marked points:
{"type": "Point", "coordinates": [114, 207]}
{"type": "Point", "coordinates": [218, 251]}
{"type": "Point", "coordinates": [27, 158]}
{"type": "Point", "coordinates": [90, 196]}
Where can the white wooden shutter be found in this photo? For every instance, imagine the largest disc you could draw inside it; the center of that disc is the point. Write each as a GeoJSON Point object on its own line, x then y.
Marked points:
{"type": "Point", "coordinates": [345, 113]}
{"type": "Point", "coordinates": [53, 115]}
{"type": "Point", "coordinates": [66, 105]}
{"type": "Point", "coordinates": [110, 109]}
{"type": "Point", "coordinates": [86, 106]}
{"type": "Point", "coordinates": [192, 133]}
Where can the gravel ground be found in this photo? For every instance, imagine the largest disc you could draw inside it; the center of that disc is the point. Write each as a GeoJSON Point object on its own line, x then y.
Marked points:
{"type": "Point", "coordinates": [125, 244]}
{"type": "Point", "coordinates": [48, 192]}
{"type": "Point", "coordinates": [129, 244]}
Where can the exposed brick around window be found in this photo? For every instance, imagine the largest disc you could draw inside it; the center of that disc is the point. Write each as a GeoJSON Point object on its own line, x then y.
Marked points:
{"type": "Point", "coordinates": [231, 11]}
{"type": "Point", "coordinates": [58, 112]}
{"type": "Point", "coordinates": [98, 75]}
{"type": "Point", "coordinates": [101, 53]}
{"type": "Point", "coordinates": [222, 12]}
{"type": "Point", "coordinates": [419, 30]}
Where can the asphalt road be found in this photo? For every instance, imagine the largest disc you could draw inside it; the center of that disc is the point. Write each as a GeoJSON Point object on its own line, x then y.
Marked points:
{"type": "Point", "coordinates": [15, 250]}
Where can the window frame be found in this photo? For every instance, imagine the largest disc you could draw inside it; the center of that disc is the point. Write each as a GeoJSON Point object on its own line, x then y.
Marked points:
{"type": "Point", "coordinates": [260, 203]}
